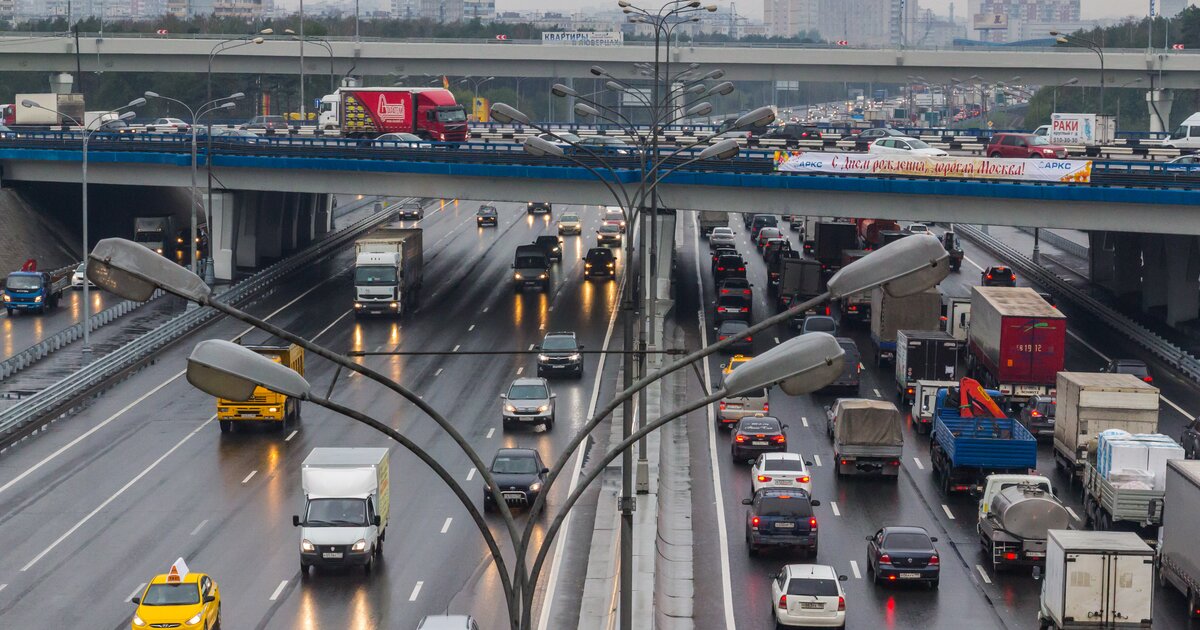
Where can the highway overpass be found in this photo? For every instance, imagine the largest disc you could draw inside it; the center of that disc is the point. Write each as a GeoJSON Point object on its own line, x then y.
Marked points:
{"type": "Point", "coordinates": [175, 53]}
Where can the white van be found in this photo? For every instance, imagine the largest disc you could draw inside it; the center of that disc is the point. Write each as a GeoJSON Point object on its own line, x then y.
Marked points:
{"type": "Point", "coordinates": [346, 499]}
{"type": "Point", "coordinates": [1186, 136]}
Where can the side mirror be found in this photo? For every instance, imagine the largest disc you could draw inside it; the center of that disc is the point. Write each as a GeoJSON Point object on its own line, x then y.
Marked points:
{"type": "Point", "coordinates": [784, 426]}
{"type": "Point", "coordinates": [135, 600]}
{"type": "Point", "coordinates": [503, 396]}
{"type": "Point", "coordinates": [552, 396]}
{"type": "Point", "coordinates": [376, 521]}
{"type": "Point", "coordinates": [545, 471]}
{"type": "Point", "coordinates": [933, 539]}
{"type": "Point", "coordinates": [538, 348]}
{"type": "Point", "coordinates": [842, 578]}
{"type": "Point", "coordinates": [208, 599]}
{"type": "Point", "coordinates": [581, 346]}
{"type": "Point", "coordinates": [870, 538]}
{"type": "Point", "coordinates": [815, 503]}
{"type": "Point", "coordinates": [808, 463]}
{"type": "Point", "coordinates": [747, 501]}
{"type": "Point", "coordinates": [295, 521]}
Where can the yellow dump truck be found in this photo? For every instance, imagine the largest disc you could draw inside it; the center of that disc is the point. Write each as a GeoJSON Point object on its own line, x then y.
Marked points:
{"type": "Point", "coordinates": [265, 406]}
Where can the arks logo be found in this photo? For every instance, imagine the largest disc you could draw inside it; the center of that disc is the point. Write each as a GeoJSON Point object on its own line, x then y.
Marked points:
{"type": "Point", "coordinates": [391, 112]}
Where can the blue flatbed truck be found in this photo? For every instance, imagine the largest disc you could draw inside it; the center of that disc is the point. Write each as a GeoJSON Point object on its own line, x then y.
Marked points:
{"type": "Point", "coordinates": [965, 451]}
{"type": "Point", "coordinates": [32, 290]}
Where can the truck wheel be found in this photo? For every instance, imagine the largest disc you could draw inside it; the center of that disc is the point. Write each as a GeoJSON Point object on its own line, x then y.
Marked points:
{"type": "Point", "coordinates": [226, 426]}
{"type": "Point", "coordinates": [367, 566]}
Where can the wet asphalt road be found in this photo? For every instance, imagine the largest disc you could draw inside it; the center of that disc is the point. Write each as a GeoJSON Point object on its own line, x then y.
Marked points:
{"type": "Point", "coordinates": [108, 498]}
{"type": "Point", "coordinates": [971, 594]}
{"type": "Point", "coordinates": [21, 330]}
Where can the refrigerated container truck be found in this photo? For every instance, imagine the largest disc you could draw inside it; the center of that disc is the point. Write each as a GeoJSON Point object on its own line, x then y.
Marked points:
{"type": "Point", "coordinates": [1017, 342]}
{"type": "Point", "coordinates": [369, 112]}
{"type": "Point", "coordinates": [929, 355]}
{"type": "Point", "coordinates": [920, 311]}
{"type": "Point", "coordinates": [1096, 580]}
{"type": "Point", "coordinates": [1091, 402]}
{"type": "Point", "coordinates": [51, 110]}
{"type": "Point", "coordinates": [388, 271]}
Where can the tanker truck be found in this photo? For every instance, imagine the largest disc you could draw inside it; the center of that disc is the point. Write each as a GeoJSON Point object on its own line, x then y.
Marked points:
{"type": "Point", "coordinates": [1015, 512]}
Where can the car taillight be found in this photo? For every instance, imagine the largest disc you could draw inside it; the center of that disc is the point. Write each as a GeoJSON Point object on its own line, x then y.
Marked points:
{"type": "Point", "coordinates": [744, 309]}
{"type": "Point", "coordinates": [754, 521]}
{"type": "Point", "coordinates": [739, 439]}
{"type": "Point", "coordinates": [812, 522]}
{"type": "Point", "coordinates": [1010, 556]}
{"type": "Point", "coordinates": [766, 406]}
{"type": "Point", "coordinates": [802, 479]}
{"type": "Point", "coordinates": [764, 478]}
{"type": "Point", "coordinates": [826, 310]}
{"type": "Point", "coordinates": [934, 561]}
{"type": "Point", "coordinates": [720, 309]}
{"type": "Point", "coordinates": [841, 603]}
{"type": "Point", "coordinates": [722, 405]}
{"type": "Point", "coordinates": [783, 601]}
{"type": "Point", "coordinates": [741, 268]}
{"type": "Point", "coordinates": [989, 276]}
{"type": "Point", "coordinates": [720, 269]}
{"type": "Point", "coordinates": [721, 338]}
{"type": "Point", "coordinates": [886, 559]}
{"type": "Point", "coordinates": [894, 462]}
{"type": "Point", "coordinates": [749, 339]}
{"type": "Point", "coordinates": [1148, 379]}
{"type": "Point", "coordinates": [779, 439]}
{"type": "Point", "coordinates": [745, 291]}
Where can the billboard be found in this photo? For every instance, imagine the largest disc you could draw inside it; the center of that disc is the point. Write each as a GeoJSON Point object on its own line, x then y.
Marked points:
{"type": "Point", "coordinates": [990, 21]}
{"type": "Point", "coordinates": [584, 38]}
{"type": "Point", "coordinates": [955, 167]}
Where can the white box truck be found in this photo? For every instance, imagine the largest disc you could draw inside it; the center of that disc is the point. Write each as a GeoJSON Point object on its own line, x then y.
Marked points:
{"type": "Point", "coordinates": [346, 501]}
{"type": "Point", "coordinates": [51, 109]}
{"type": "Point", "coordinates": [388, 270]}
{"type": "Point", "coordinates": [1097, 580]}
{"type": "Point", "coordinates": [1091, 402]}
{"type": "Point", "coordinates": [1178, 553]}
{"type": "Point", "coordinates": [1082, 129]}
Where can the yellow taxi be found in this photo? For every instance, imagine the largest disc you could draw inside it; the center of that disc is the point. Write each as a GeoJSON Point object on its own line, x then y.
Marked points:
{"type": "Point", "coordinates": [179, 599]}
{"type": "Point", "coordinates": [733, 362]}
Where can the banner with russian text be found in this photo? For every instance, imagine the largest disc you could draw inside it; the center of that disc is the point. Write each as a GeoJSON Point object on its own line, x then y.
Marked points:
{"type": "Point", "coordinates": [965, 167]}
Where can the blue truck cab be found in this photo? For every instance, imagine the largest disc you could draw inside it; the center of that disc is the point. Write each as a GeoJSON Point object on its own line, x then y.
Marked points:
{"type": "Point", "coordinates": [31, 290]}
{"type": "Point", "coordinates": [964, 451]}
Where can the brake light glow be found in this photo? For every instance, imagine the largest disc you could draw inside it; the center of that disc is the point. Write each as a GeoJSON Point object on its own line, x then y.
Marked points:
{"type": "Point", "coordinates": [803, 479]}
{"type": "Point", "coordinates": [754, 521]}
{"type": "Point", "coordinates": [812, 522]}
{"type": "Point", "coordinates": [886, 559]}
{"type": "Point", "coordinates": [722, 405]}
{"type": "Point", "coordinates": [764, 478]}
{"type": "Point", "coordinates": [739, 439]}
{"type": "Point", "coordinates": [766, 406]}
{"type": "Point", "coordinates": [1010, 556]}
{"type": "Point", "coordinates": [1148, 379]}
{"type": "Point", "coordinates": [783, 601]}
{"type": "Point", "coordinates": [779, 439]}
{"type": "Point", "coordinates": [841, 603]}
{"type": "Point", "coordinates": [935, 561]}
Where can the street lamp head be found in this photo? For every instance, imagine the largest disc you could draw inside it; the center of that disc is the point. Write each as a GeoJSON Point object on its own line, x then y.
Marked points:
{"type": "Point", "coordinates": [289, 31]}
{"type": "Point", "coordinates": [132, 271]}
{"type": "Point", "coordinates": [715, 74]}
{"type": "Point", "coordinates": [150, 94]}
{"type": "Point", "coordinates": [598, 71]}
{"type": "Point", "coordinates": [723, 88]}
{"type": "Point", "coordinates": [903, 267]}
{"type": "Point", "coordinates": [1073, 81]}
{"type": "Point", "coordinates": [1054, 33]}
{"type": "Point", "coordinates": [126, 116]}
{"type": "Point", "coordinates": [694, 18]}
{"type": "Point", "coordinates": [137, 102]}
{"type": "Point", "coordinates": [28, 103]}
{"type": "Point", "coordinates": [232, 372]}
{"type": "Point", "coordinates": [722, 150]}
{"type": "Point", "coordinates": [614, 86]}
{"type": "Point", "coordinates": [236, 96]}
{"type": "Point", "coordinates": [258, 40]}
{"type": "Point", "coordinates": [624, 4]}
{"type": "Point", "coordinates": [270, 31]}
{"type": "Point", "coordinates": [505, 114]}
{"type": "Point", "coordinates": [227, 105]}
{"type": "Point", "coordinates": [800, 365]}
{"type": "Point", "coordinates": [712, 8]}
{"type": "Point", "coordinates": [760, 117]}
{"type": "Point", "coordinates": [538, 147]}
{"type": "Point", "coordinates": [699, 88]}
{"type": "Point", "coordinates": [1063, 40]}
{"type": "Point", "coordinates": [561, 90]}
{"type": "Point", "coordinates": [700, 109]}
{"type": "Point", "coordinates": [585, 110]}
{"type": "Point", "coordinates": [694, 4]}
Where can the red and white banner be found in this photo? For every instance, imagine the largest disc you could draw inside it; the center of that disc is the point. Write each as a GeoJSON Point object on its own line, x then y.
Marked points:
{"type": "Point", "coordinates": [959, 167]}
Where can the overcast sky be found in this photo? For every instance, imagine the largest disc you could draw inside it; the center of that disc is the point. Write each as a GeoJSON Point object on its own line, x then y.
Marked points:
{"type": "Point", "coordinates": [753, 8]}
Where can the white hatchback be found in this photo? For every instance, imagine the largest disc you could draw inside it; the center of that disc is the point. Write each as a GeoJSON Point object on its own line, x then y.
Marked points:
{"type": "Point", "coordinates": [809, 595]}
{"type": "Point", "coordinates": [721, 236]}
{"type": "Point", "coordinates": [780, 470]}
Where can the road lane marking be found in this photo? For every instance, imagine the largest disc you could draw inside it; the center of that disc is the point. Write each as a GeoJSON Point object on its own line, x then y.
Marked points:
{"type": "Point", "coordinates": [804, 421]}
{"type": "Point", "coordinates": [532, 346]}
{"type": "Point", "coordinates": [1185, 414]}
{"type": "Point", "coordinates": [116, 494]}
{"type": "Point", "coordinates": [854, 570]}
{"type": "Point", "coordinates": [917, 461]}
{"type": "Point", "coordinates": [1170, 402]}
{"type": "Point", "coordinates": [777, 340]}
{"type": "Point", "coordinates": [836, 511]}
{"type": "Point", "coordinates": [975, 265]}
{"type": "Point", "coordinates": [438, 372]}
{"type": "Point", "coordinates": [4, 586]}
{"type": "Point", "coordinates": [455, 349]}
{"type": "Point", "coordinates": [471, 474]}
{"type": "Point", "coordinates": [446, 525]}
{"type": "Point", "coordinates": [949, 514]}
{"type": "Point", "coordinates": [520, 370]}
{"type": "Point", "coordinates": [137, 591]}
{"type": "Point", "coordinates": [817, 459]}
{"type": "Point", "coordinates": [983, 574]}
{"type": "Point", "coordinates": [331, 325]}
{"type": "Point", "coordinates": [278, 590]}
{"type": "Point", "coordinates": [485, 309]}
{"type": "Point", "coordinates": [551, 309]}
{"type": "Point", "coordinates": [471, 327]}
{"type": "Point", "coordinates": [202, 524]}
{"type": "Point", "coordinates": [291, 435]}
{"type": "Point", "coordinates": [250, 476]}
{"type": "Point", "coordinates": [416, 591]}
{"type": "Point", "coordinates": [1072, 513]}
{"type": "Point", "coordinates": [491, 432]}
{"type": "Point", "coordinates": [877, 394]}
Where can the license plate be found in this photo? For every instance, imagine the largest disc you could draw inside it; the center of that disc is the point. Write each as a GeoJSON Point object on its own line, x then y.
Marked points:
{"type": "Point", "coordinates": [785, 525]}
{"type": "Point", "coordinates": [247, 415]}
{"type": "Point", "coordinates": [784, 482]}
{"type": "Point", "coordinates": [909, 576]}
{"type": "Point", "coordinates": [331, 555]}
{"type": "Point", "coordinates": [758, 443]}
{"type": "Point", "coordinates": [812, 605]}
{"type": "Point", "coordinates": [1035, 554]}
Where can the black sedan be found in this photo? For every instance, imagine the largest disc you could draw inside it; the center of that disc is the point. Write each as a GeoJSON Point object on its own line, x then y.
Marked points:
{"type": "Point", "coordinates": [998, 276]}
{"type": "Point", "coordinates": [735, 328]}
{"type": "Point", "coordinates": [903, 554]}
{"type": "Point", "coordinates": [757, 434]}
{"type": "Point", "coordinates": [520, 474]}
{"type": "Point", "coordinates": [729, 267]}
{"type": "Point", "coordinates": [486, 215]}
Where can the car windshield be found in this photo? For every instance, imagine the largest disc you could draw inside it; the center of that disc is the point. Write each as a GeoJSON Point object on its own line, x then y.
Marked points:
{"type": "Point", "coordinates": [907, 540]}
{"type": "Point", "coordinates": [559, 343]}
{"type": "Point", "coordinates": [171, 595]}
{"type": "Point", "coordinates": [792, 506]}
{"type": "Point", "coordinates": [1039, 141]}
{"type": "Point", "coordinates": [486, 211]}
{"type": "Point", "coordinates": [1045, 407]}
{"type": "Point", "coordinates": [758, 425]}
{"type": "Point", "coordinates": [23, 283]}
{"type": "Point", "coordinates": [603, 140]}
{"type": "Point", "coordinates": [733, 327]}
{"type": "Point", "coordinates": [374, 275]}
{"type": "Point", "coordinates": [569, 218]}
{"type": "Point", "coordinates": [566, 137]}
{"type": "Point", "coordinates": [82, 268]}
{"type": "Point", "coordinates": [820, 324]}
{"type": "Point", "coordinates": [812, 586]}
{"type": "Point", "coordinates": [918, 144]}
{"type": "Point", "coordinates": [528, 392]}
{"type": "Point", "coordinates": [150, 236]}
{"type": "Point", "coordinates": [506, 465]}
{"type": "Point", "coordinates": [336, 513]}
{"type": "Point", "coordinates": [456, 114]}
{"type": "Point", "coordinates": [610, 228]}
{"type": "Point", "coordinates": [783, 464]}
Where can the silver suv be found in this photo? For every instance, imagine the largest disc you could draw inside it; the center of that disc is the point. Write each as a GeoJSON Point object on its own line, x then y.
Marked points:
{"type": "Point", "coordinates": [528, 401]}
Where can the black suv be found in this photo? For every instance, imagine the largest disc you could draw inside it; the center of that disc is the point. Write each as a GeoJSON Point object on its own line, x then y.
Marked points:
{"type": "Point", "coordinates": [998, 276]}
{"type": "Point", "coordinates": [486, 215]}
{"type": "Point", "coordinates": [728, 307]}
{"type": "Point", "coordinates": [520, 474]}
{"type": "Point", "coordinates": [1038, 416]}
{"type": "Point", "coordinates": [559, 354]}
{"type": "Point", "coordinates": [536, 207]}
{"type": "Point", "coordinates": [781, 517]}
{"type": "Point", "coordinates": [552, 245]}
{"type": "Point", "coordinates": [412, 210]}
{"type": "Point", "coordinates": [729, 266]}
{"type": "Point", "coordinates": [599, 261]}
{"type": "Point", "coordinates": [793, 131]}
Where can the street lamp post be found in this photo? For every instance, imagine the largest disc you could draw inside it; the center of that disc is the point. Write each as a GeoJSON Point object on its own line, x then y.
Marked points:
{"type": "Point", "coordinates": [474, 83]}
{"type": "Point", "coordinates": [1123, 85]}
{"type": "Point", "coordinates": [87, 134]}
{"type": "Point", "coordinates": [1054, 93]}
{"type": "Point", "coordinates": [197, 114]}
{"type": "Point", "coordinates": [303, 118]}
{"type": "Point", "coordinates": [1083, 42]}
{"type": "Point", "coordinates": [324, 43]}
{"type": "Point", "coordinates": [222, 46]}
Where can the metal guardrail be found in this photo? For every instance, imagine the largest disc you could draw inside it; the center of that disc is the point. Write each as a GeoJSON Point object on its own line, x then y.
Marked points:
{"type": "Point", "coordinates": [65, 337]}
{"type": "Point", "coordinates": [1173, 355]}
{"type": "Point", "coordinates": [1061, 242]}
{"type": "Point", "coordinates": [78, 383]}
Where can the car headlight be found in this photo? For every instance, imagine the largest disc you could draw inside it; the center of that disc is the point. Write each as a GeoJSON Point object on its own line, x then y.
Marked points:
{"type": "Point", "coordinates": [535, 486]}
{"type": "Point", "coordinates": [395, 304]}
{"type": "Point", "coordinates": [37, 299]}
{"type": "Point", "coordinates": [138, 621]}
{"type": "Point", "coordinates": [517, 276]}
{"type": "Point", "coordinates": [195, 620]}
{"type": "Point", "coordinates": [610, 264]}
{"type": "Point", "coordinates": [510, 408]}
{"type": "Point", "coordinates": [7, 298]}
{"type": "Point", "coordinates": [358, 305]}
{"type": "Point", "coordinates": [306, 546]}
{"type": "Point", "coordinates": [361, 545]}
{"type": "Point", "coordinates": [573, 357]}
{"type": "Point", "coordinates": [543, 357]}
{"type": "Point", "coordinates": [159, 250]}
{"type": "Point", "coordinates": [543, 408]}
{"type": "Point", "coordinates": [542, 276]}
{"type": "Point", "coordinates": [586, 265]}
{"type": "Point", "coordinates": [272, 409]}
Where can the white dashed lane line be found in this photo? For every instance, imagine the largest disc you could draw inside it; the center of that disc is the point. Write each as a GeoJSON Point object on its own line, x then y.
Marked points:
{"type": "Point", "coordinates": [917, 461]}
{"type": "Point", "coordinates": [250, 476]}
{"type": "Point", "coordinates": [834, 506]}
{"type": "Point", "coordinates": [198, 527]}
{"type": "Point", "coordinates": [946, 509]}
{"type": "Point", "coordinates": [854, 570]}
{"type": "Point", "coordinates": [278, 590]}
{"type": "Point", "coordinates": [290, 436]}
{"type": "Point", "coordinates": [471, 474]}
{"type": "Point", "coordinates": [491, 432]}
{"type": "Point", "coordinates": [446, 525]}
{"type": "Point", "coordinates": [416, 591]}
{"type": "Point", "coordinates": [983, 574]}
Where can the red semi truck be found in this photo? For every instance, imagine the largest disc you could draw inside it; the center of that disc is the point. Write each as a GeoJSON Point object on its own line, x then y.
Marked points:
{"type": "Point", "coordinates": [430, 113]}
{"type": "Point", "coordinates": [1016, 342]}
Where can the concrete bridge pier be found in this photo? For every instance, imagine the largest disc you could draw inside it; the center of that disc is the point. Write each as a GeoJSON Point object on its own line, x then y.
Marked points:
{"type": "Point", "coordinates": [1159, 102]}
{"type": "Point", "coordinates": [251, 228]}
{"type": "Point", "coordinates": [1171, 276]}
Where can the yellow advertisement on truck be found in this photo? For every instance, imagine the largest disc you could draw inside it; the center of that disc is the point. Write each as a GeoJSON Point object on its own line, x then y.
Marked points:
{"type": "Point", "coordinates": [265, 405]}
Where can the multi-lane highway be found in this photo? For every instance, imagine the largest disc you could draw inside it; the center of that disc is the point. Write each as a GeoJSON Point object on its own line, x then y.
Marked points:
{"type": "Point", "coordinates": [971, 594]}
{"type": "Point", "coordinates": [107, 499]}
